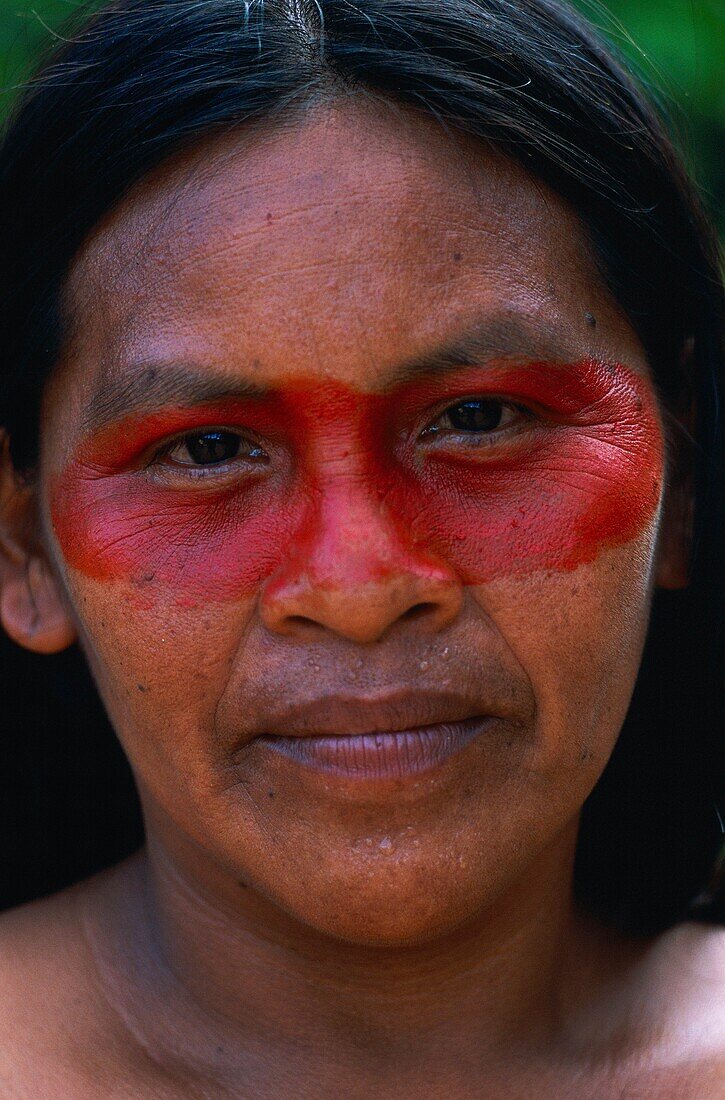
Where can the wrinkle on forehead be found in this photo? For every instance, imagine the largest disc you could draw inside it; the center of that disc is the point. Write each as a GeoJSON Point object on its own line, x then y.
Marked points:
{"type": "Point", "coordinates": [309, 233]}
{"type": "Point", "coordinates": [336, 157]}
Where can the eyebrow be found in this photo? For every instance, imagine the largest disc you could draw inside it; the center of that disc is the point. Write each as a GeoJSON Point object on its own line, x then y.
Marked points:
{"type": "Point", "coordinates": [502, 335]}
{"type": "Point", "coordinates": [149, 385]}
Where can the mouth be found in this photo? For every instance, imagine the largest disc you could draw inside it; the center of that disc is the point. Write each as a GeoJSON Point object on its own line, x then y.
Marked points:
{"type": "Point", "coordinates": [392, 754]}
{"type": "Point", "coordinates": [393, 737]}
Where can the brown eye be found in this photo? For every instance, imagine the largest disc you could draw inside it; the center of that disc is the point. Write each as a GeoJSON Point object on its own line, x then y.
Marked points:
{"type": "Point", "coordinates": [476, 416]}
{"type": "Point", "coordinates": [479, 416]}
{"type": "Point", "coordinates": [209, 448]}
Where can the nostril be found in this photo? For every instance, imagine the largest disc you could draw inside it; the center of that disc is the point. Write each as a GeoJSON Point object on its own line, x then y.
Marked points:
{"type": "Point", "coordinates": [419, 611]}
{"type": "Point", "coordinates": [301, 625]}
{"type": "Point", "coordinates": [299, 620]}
{"type": "Point", "coordinates": [302, 620]}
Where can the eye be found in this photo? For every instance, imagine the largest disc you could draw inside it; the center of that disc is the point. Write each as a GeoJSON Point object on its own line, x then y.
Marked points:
{"type": "Point", "coordinates": [214, 447]}
{"type": "Point", "coordinates": [478, 416]}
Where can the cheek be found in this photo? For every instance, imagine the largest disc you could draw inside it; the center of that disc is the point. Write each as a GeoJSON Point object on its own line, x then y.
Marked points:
{"type": "Point", "coordinates": [160, 666]}
{"type": "Point", "coordinates": [590, 480]}
{"type": "Point", "coordinates": [555, 510]}
{"type": "Point", "coordinates": [201, 546]}
{"type": "Point", "coordinates": [579, 634]}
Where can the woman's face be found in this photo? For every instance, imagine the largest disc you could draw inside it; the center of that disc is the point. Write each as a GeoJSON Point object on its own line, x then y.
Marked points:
{"type": "Point", "coordinates": [350, 438]}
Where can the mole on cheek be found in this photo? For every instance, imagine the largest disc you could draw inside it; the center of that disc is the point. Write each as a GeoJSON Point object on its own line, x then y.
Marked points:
{"type": "Point", "coordinates": [593, 481]}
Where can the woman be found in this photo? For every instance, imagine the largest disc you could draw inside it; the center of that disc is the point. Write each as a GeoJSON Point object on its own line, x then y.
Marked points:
{"type": "Point", "coordinates": [353, 358]}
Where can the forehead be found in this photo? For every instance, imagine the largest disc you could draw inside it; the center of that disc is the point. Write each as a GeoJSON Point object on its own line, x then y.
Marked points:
{"type": "Point", "coordinates": [337, 244]}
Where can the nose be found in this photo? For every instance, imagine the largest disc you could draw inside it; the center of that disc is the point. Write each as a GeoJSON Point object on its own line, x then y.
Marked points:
{"type": "Point", "coordinates": [353, 572]}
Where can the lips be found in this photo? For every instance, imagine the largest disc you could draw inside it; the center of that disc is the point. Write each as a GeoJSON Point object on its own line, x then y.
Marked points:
{"type": "Point", "coordinates": [391, 755]}
{"type": "Point", "coordinates": [394, 736]}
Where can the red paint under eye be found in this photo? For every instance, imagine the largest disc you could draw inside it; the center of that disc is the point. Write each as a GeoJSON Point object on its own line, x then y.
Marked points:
{"type": "Point", "coordinates": [590, 477]}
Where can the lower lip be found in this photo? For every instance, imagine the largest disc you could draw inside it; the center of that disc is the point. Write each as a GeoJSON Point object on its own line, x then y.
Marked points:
{"type": "Point", "coordinates": [380, 755]}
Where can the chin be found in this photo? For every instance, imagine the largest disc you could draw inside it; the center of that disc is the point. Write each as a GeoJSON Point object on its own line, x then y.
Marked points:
{"type": "Point", "coordinates": [390, 907]}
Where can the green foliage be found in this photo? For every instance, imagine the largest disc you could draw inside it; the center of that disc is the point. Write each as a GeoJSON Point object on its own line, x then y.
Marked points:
{"type": "Point", "coordinates": [677, 46]}
{"type": "Point", "coordinates": [24, 31]}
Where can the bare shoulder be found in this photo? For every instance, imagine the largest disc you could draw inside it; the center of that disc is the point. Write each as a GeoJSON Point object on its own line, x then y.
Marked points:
{"type": "Point", "coordinates": [53, 1018]}
{"type": "Point", "coordinates": [651, 1020]}
{"type": "Point", "coordinates": [685, 973]}
{"type": "Point", "coordinates": [678, 1001]}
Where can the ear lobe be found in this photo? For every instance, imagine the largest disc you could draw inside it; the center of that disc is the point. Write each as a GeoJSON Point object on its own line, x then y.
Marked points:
{"type": "Point", "coordinates": [32, 609]}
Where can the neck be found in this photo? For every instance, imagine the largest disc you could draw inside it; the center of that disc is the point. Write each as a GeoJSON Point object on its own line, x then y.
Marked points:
{"type": "Point", "coordinates": [227, 970]}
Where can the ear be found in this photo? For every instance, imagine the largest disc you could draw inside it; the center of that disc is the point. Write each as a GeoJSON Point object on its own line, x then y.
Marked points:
{"type": "Point", "coordinates": [676, 525]}
{"type": "Point", "coordinates": [33, 611]}
{"type": "Point", "coordinates": [675, 537]}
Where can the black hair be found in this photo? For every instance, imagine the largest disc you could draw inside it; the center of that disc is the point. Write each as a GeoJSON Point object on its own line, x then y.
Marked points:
{"type": "Point", "coordinates": [141, 79]}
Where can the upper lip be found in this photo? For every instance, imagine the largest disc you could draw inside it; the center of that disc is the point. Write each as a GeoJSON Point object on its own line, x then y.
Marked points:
{"type": "Point", "coordinates": [395, 711]}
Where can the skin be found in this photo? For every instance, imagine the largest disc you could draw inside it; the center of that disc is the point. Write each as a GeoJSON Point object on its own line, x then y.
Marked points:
{"type": "Point", "coordinates": [303, 930]}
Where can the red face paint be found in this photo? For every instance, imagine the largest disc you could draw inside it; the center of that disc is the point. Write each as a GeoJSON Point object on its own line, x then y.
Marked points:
{"type": "Point", "coordinates": [584, 474]}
